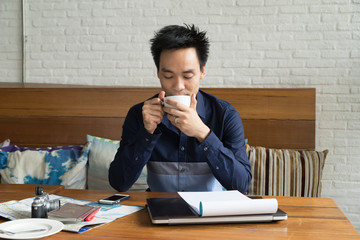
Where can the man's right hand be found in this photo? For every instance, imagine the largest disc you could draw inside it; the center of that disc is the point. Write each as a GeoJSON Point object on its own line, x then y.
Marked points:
{"type": "Point", "coordinates": [153, 112]}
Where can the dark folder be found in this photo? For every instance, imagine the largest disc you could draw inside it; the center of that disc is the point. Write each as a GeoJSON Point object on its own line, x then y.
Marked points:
{"type": "Point", "coordinates": [177, 211]}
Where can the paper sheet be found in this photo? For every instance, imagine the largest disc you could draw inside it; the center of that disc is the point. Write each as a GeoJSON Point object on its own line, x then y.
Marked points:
{"type": "Point", "coordinates": [227, 203]}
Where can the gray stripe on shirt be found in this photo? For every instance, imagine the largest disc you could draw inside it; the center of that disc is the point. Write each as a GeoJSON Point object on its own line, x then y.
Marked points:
{"type": "Point", "coordinates": [173, 168]}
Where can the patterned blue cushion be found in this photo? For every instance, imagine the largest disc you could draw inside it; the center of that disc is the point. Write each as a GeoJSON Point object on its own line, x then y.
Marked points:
{"type": "Point", "coordinates": [55, 165]}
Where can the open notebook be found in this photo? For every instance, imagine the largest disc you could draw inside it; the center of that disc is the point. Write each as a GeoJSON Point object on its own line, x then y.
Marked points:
{"type": "Point", "coordinates": [177, 211]}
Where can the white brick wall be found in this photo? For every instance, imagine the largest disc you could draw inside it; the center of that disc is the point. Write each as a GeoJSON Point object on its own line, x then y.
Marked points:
{"type": "Point", "coordinates": [10, 41]}
{"type": "Point", "coordinates": [255, 43]}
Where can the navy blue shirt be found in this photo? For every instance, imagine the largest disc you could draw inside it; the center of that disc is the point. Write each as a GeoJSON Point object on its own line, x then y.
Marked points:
{"type": "Point", "coordinates": [176, 162]}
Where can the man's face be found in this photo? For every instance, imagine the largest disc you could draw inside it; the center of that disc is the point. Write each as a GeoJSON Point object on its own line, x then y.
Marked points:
{"type": "Point", "coordinates": [179, 72]}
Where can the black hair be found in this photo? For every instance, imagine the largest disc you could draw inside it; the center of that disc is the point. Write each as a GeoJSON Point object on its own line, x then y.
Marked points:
{"type": "Point", "coordinates": [178, 37]}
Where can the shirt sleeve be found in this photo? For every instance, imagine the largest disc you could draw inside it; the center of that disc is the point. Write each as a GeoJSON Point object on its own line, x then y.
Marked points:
{"type": "Point", "coordinates": [135, 150]}
{"type": "Point", "coordinates": [227, 157]}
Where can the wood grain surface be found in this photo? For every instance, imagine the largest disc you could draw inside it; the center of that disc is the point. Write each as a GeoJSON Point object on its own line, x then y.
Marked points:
{"type": "Point", "coordinates": [42, 115]}
{"type": "Point", "coordinates": [21, 191]}
{"type": "Point", "coordinates": [308, 218]}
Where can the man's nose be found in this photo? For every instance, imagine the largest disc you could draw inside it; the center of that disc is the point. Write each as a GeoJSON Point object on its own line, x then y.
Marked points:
{"type": "Point", "coordinates": [179, 84]}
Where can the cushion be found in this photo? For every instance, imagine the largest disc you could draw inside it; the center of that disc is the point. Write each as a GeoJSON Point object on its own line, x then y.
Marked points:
{"type": "Point", "coordinates": [5, 143]}
{"type": "Point", "coordinates": [102, 153]}
{"type": "Point", "coordinates": [54, 165]}
{"type": "Point", "coordinates": [285, 172]}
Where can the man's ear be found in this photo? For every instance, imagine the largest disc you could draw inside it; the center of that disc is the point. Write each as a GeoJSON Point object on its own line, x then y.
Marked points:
{"type": "Point", "coordinates": [203, 71]}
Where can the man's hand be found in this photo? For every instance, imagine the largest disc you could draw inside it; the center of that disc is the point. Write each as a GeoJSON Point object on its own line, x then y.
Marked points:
{"type": "Point", "coordinates": [187, 119]}
{"type": "Point", "coordinates": [153, 112]}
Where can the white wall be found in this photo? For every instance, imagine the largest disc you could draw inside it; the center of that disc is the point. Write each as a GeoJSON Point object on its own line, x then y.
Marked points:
{"type": "Point", "coordinates": [255, 43]}
{"type": "Point", "coordinates": [10, 41]}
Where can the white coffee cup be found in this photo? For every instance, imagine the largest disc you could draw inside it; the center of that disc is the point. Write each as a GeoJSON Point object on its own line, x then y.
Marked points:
{"type": "Point", "coordinates": [183, 99]}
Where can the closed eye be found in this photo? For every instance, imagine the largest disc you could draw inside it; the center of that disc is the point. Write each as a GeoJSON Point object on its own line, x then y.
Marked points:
{"type": "Point", "coordinates": [167, 77]}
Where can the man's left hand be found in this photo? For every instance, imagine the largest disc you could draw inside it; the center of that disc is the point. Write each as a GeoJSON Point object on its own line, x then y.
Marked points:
{"type": "Point", "coordinates": [187, 120]}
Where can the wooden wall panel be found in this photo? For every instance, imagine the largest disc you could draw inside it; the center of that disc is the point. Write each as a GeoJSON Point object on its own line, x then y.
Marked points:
{"type": "Point", "coordinates": [39, 132]}
{"type": "Point", "coordinates": [51, 131]}
{"type": "Point", "coordinates": [48, 116]}
{"type": "Point", "coordinates": [280, 133]}
{"type": "Point", "coordinates": [270, 103]}
{"type": "Point", "coordinates": [114, 102]}
{"type": "Point", "coordinates": [91, 102]}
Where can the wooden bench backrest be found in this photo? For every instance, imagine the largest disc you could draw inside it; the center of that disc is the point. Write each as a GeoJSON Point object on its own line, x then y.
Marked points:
{"type": "Point", "coordinates": [56, 116]}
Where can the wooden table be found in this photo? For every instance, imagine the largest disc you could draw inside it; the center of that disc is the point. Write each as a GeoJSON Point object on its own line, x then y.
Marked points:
{"type": "Point", "coordinates": [21, 191]}
{"type": "Point", "coordinates": [309, 218]}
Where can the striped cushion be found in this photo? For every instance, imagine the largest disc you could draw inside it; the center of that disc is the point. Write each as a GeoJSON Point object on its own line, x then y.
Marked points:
{"type": "Point", "coordinates": [285, 172]}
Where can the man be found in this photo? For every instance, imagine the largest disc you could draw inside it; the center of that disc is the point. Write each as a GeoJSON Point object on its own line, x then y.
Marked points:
{"type": "Point", "coordinates": [196, 148]}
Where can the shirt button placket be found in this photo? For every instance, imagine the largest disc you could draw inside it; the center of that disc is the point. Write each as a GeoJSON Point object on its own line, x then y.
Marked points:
{"type": "Point", "coordinates": [182, 160]}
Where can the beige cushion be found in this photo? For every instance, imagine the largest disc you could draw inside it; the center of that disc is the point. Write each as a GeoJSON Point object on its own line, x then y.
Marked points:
{"type": "Point", "coordinates": [102, 153]}
{"type": "Point", "coordinates": [285, 172]}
